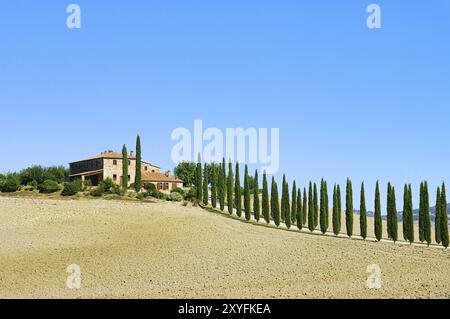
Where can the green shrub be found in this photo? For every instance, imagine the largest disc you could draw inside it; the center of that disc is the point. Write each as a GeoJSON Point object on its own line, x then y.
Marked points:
{"type": "Point", "coordinates": [107, 186]}
{"type": "Point", "coordinates": [86, 183]}
{"type": "Point", "coordinates": [176, 197]}
{"type": "Point", "coordinates": [179, 191]}
{"type": "Point", "coordinates": [97, 192]}
{"type": "Point", "coordinates": [48, 187]}
{"type": "Point", "coordinates": [28, 188]}
{"type": "Point", "coordinates": [10, 184]}
{"type": "Point", "coordinates": [72, 188]}
{"type": "Point", "coordinates": [152, 191]}
{"type": "Point", "coordinates": [40, 174]}
{"type": "Point", "coordinates": [142, 195]}
{"type": "Point", "coordinates": [191, 194]}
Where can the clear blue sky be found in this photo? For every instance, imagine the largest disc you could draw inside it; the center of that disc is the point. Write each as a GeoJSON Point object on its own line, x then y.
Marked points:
{"type": "Point", "coordinates": [349, 101]}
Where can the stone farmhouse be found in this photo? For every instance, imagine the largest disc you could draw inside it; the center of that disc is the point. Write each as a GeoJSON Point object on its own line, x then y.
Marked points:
{"type": "Point", "coordinates": [108, 164]}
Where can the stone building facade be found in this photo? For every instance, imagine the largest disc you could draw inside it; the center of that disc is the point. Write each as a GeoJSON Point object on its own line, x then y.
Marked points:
{"type": "Point", "coordinates": [108, 164]}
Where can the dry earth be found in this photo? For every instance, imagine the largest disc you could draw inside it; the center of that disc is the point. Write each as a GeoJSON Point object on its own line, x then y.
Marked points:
{"type": "Point", "coordinates": [165, 250]}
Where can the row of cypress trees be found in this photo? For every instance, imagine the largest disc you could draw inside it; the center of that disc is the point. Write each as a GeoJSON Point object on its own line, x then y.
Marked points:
{"type": "Point", "coordinates": [308, 209]}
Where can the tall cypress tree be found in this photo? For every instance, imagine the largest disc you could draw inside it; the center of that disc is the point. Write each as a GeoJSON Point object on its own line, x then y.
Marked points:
{"type": "Point", "coordinates": [198, 180]}
{"type": "Point", "coordinates": [339, 206]}
{"type": "Point", "coordinates": [316, 206]}
{"type": "Point", "coordinates": [311, 208]}
{"type": "Point", "coordinates": [299, 209]}
{"type": "Point", "coordinates": [265, 200]}
{"type": "Point", "coordinates": [256, 206]}
{"type": "Point", "coordinates": [287, 206]}
{"type": "Point", "coordinates": [323, 206]}
{"type": "Point", "coordinates": [363, 213]}
{"type": "Point", "coordinates": [305, 207]}
{"type": "Point", "coordinates": [205, 195]}
{"type": "Point", "coordinates": [349, 208]}
{"type": "Point", "coordinates": [221, 182]}
{"type": "Point", "coordinates": [437, 226]}
{"type": "Point", "coordinates": [230, 188]}
{"type": "Point", "coordinates": [214, 181]}
{"type": "Point", "coordinates": [275, 203]}
{"type": "Point", "coordinates": [426, 216]}
{"type": "Point", "coordinates": [247, 208]}
{"type": "Point", "coordinates": [237, 192]}
{"type": "Point", "coordinates": [389, 210]}
{"type": "Point", "coordinates": [410, 216]}
{"type": "Point", "coordinates": [138, 179]}
{"type": "Point", "coordinates": [283, 213]}
{"type": "Point", "coordinates": [394, 222]}
{"type": "Point", "coordinates": [405, 213]}
{"type": "Point", "coordinates": [272, 189]}
{"type": "Point", "coordinates": [421, 213]}
{"type": "Point", "coordinates": [444, 217]}
{"type": "Point", "coordinates": [336, 229]}
{"type": "Point", "coordinates": [124, 167]}
{"type": "Point", "coordinates": [294, 204]}
{"type": "Point", "coordinates": [378, 220]}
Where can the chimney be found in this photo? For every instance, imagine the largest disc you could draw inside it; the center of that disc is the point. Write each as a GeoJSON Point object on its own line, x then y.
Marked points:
{"type": "Point", "coordinates": [167, 173]}
{"type": "Point", "coordinates": [131, 153]}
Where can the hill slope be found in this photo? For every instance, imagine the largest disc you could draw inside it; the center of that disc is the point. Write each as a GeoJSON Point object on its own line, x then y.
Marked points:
{"type": "Point", "coordinates": [165, 250]}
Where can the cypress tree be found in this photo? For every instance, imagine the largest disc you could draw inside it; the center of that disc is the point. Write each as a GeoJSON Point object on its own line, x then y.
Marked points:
{"type": "Point", "coordinates": [198, 179]}
{"type": "Point", "coordinates": [124, 167]}
{"type": "Point", "coordinates": [237, 192]}
{"type": "Point", "coordinates": [363, 213]}
{"type": "Point", "coordinates": [230, 188]}
{"type": "Point", "coordinates": [336, 229]}
{"type": "Point", "coordinates": [272, 189]}
{"type": "Point", "coordinates": [305, 207]}
{"type": "Point", "coordinates": [349, 209]}
{"type": "Point", "coordinates": [378, 220]}
{"type": "Point", "coordinates": [287, 206]}
{"type": "Point", "coordinates": [339, 206]}
{"type": "Point", "coordinates": [437, 226]}
{"type": "Point", "coordinates": [247, 209]}
{"type": "Point", "coordinates": [214, 181]}
{"type": "Point", "coordinates": [299, 205]}
{"type": "Point", "coordinates": [256, 206]}
{"type": "Point", "coordinates": [410, 216]}
{"type": "Point", "coordinates": [316, 206]}
{"type": "Point", "coordinates": [405, 213]}
{"type": "Point", "coordinates": [224, 181]}
{"type": "Point", "coordinates": [138, 180]}
{"type": "Point", "coordinates": [221, 182]}
{"type": "Point", "coordinates": [205, 195]}
{"type": "Point", "coordinates": [275, 203]}
{"type": "Point", "coordinates": [388, 210]}
{"type": "Point", "coordinates": [294, 204]}
{"type": "Point", "coordinates": [323, 206]}
{"type": "Point", "coordinates": [426, 216]}
{"type": "Point", "coordinates": [283, 206]}
{"type": "Point", "coordinates": [310, 208]}
{"type": "Point", "coordinates": [444, 217]}
{"type": "Point", "coordinates": [265, 200]}
{"type": "Point", "coordinates": [421, 213]}
{"type": "Point", "coordinates": [394, 223]}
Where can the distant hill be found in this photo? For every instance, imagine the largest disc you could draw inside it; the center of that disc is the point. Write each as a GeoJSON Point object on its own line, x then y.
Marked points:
{"type": "Point", "coordinates": [415, 213]}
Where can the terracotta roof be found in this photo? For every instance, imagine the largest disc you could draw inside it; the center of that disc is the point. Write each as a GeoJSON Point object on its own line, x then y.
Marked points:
{"type": "Point", "coordinates": [159, 177]}
{"type": "Point", "coordinates": [111, 155]}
